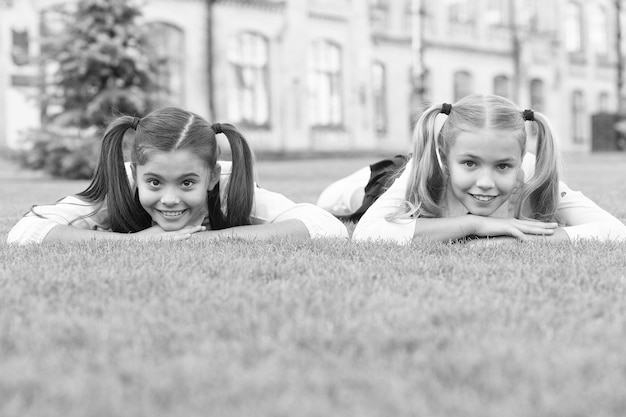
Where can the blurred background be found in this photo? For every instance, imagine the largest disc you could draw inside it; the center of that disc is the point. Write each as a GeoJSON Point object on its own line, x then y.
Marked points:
{"type": "Point", "coordinates": [301, 76]}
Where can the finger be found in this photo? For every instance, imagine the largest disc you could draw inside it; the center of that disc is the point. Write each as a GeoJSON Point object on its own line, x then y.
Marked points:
{"type": "Point", "coordinates": [193, 229]}
{"type": "Point", "coordinates": [536, 223]}
{"type": "Point", "coordinates": [181, 236]}
{"type": "Point", "coordinates": [516, 233]}
{"type": "Point", "coordinates": [538, 231]}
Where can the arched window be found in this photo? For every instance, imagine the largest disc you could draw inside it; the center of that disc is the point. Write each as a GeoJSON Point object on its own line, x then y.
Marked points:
{"type": "Point", "coordinates": [578, 116]}
{"type": "Point", "coordinates": [379, 93]}
{"type": "Point", "coordinates": [600, 30]}
{"type": "Point", "coordinates": [573, 28]}
{"type": "Point", "coordinates": [537, 95]}
{"type": "Point", "coordinates": [324, 82]}
{"type": "Point", "coordinates": [249, 101]}
{"type": "Point", "coordinates": [21, 46]}
{"type": "Point", "coordinates": [379, 14]}
{"type": "Point", "coordinates": [168, 43]}
{"type": "Point", "coordinates": [603, 102]}
{"type": "Point", "coordinates": [407, 16]}
{"type": "Point", "coordinates": [502, 86]}
{"type": "Point", "coordinates": [462, 84]}
{"type": "Point", "coordinates": [541, 15]}
{"type": "Point", "coordinates": [460, 11]}
{"type": "Point", "coordinates": [497, 13]}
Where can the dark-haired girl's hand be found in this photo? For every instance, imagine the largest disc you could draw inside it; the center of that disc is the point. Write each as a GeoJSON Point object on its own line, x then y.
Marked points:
{"type": "Point", "coordinates": [156, 232]}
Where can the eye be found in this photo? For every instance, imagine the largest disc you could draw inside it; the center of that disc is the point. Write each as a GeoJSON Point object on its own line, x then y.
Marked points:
{"type": "Point", "coordinates": [187, 183]}
{"type": "Point", "coordinates": [469, 164]}
{"type": "Point", "coordinates": [502, 167]}
{"type": "Point", "coordinates": [153, 182]}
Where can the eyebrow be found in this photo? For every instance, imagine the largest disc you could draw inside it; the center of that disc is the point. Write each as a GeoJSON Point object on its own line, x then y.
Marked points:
{"type": "Point", "coordinates": [186, 175]}
{"type": "Point", "coordinates": [474, 156]}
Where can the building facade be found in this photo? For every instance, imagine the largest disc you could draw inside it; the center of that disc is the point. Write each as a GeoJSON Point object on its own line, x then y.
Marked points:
{"type": "Point", "coordinates": [325, 75]}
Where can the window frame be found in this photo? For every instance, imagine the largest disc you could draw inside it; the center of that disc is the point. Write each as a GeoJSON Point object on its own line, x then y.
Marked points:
{"type": "Point", "coordinates": [325, 84]}
{"type": "Point", "coordinates": [249, 69]}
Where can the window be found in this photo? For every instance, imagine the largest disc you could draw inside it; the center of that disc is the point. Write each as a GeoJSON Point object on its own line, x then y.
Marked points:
{"type": "Point", "coordinates": [249, 101]}
{"type": "Point", "coordinates": [462, 84]}
{"type": "Point", "coordinates": [459, 12]}
{"type": "Point", "coordinates": [407, 18]}
{"type": "Point", "coordinates": [599, 31]}
{"type": "Point", "coordinates": [578, 117]}
{"type": "Point", "coordinates": [542, 16]}
{"type": "Point", "coordinates": [537, 95]}
{"type": "Point", "coordinates": [501, 86]}
{"type": "Point", "coordinates": [379, 91]}
{"type": "Point", "coordinates": [168, 44]}
{"type": "Point", "coordinates": [379, 13]}
{"type": "Point", "coordinates": [324, 82]}
{"type": "Point", "coordinates": [603, 102]}
{"type": "Point", "coordinates": [20, 47]}
{"type": "Point", "coordinates": [573, 28]}
{"type": "Point", "coordinates": [497, 13]}
{"type": "Point", "coordinates": [419, 95]}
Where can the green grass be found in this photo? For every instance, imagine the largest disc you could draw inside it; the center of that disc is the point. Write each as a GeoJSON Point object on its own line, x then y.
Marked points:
{"type": "Point", "coordinates": [323, 328]}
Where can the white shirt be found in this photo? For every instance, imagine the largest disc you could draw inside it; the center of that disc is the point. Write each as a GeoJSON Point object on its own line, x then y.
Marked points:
{"type": "Point", "coordinates": [582, 218]}
{"type": "Point", "coordinates": [267, 207]}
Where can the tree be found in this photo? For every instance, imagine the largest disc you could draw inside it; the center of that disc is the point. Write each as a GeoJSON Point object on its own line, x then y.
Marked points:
{"type": "Point", "coordinates": [98, 62]}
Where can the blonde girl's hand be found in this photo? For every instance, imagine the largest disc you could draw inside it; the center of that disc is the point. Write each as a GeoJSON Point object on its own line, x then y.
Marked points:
{"type": "Point", "coordinates": [520, 229]}
{"type": "Point", "coordinates": [491, 241]}
{"type": "Point", "coordinates": [156, 232]}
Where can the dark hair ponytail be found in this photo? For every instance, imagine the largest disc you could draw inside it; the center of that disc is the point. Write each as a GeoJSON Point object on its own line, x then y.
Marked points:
{"type": "Point", "coordinates": [110, 182]}
{"type": "Point", "coordinates": [240, 188]}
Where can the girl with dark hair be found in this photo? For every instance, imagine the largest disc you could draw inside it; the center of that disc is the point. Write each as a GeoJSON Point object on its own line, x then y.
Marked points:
{"type": "Point", "coordinates": [472, 177]}
{"type": "Point", "coordinates": [174, 187]}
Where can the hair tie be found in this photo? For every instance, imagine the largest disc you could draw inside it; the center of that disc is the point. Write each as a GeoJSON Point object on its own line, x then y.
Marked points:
{"type": "Point", "coordinates": [217, 128]}
{"type": "Point", "coordinates": [446, 108]}
{"type": "Point", "coordinates": [135, 123]}
{"type": "Point", "coordinates": [529, 115]}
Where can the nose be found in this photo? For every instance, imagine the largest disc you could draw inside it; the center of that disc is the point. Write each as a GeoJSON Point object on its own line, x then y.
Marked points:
{"type": "Point", "coordinates": [485, 180]}
{"type": "Point", "coordinates": [169, 197]}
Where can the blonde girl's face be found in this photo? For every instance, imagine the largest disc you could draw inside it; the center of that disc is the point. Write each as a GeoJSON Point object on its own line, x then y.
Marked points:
{"type": "Point", "coordinates": [173, 187]}
{"type": "Point", "coordinates": [483, 169]}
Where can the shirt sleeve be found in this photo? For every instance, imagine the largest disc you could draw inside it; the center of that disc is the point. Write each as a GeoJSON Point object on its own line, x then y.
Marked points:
{"type": "Point", "coordinates": [374, 224]}
{"type": "Point", "coordinates": [270, 207]}
{"type": "Point", "coordinates": [583, 218]}
{"type": "Point", "coordinates": [40, 220]}
{"type": "Point", "coordinates": [338, 197]}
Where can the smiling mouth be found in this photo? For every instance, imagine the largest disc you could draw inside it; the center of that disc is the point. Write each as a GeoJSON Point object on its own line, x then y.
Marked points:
{"type": "Point", "coordinates": [171, 213]}
{"type": "Point", "coordinates": [483, 198]}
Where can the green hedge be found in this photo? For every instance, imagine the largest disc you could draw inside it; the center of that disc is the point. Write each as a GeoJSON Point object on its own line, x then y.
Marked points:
{"type": "Point", "coordinates": [60, 154]}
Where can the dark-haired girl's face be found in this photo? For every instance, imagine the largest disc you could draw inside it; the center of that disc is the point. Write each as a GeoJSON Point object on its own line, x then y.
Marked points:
{"type": "Point", "coordinates": [173, 187]}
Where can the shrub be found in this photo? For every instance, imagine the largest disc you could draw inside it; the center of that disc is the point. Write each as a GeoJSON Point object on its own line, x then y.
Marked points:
{"type": "Point", "coordinates": [61, 154]}
{"type": "Point", "coordinates": [98, 63]}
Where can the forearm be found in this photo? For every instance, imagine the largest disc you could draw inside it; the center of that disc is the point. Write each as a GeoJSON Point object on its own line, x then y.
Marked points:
{"type": "Point", "coordinates": [292, 228]}
{"type": "Point", "coordinates": [63, 233]}
{"type": "Point", "coordinates": [454, 228]}
{"type": "Point", "coordinates": [559, 235]}
{"type": "Point", "coordinates": [444, 229]}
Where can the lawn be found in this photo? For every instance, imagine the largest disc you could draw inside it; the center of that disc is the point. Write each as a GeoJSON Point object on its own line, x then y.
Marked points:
{"type": "Point", "coordinates": [324, 328]}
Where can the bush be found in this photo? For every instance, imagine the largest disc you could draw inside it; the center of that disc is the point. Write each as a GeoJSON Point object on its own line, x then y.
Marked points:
{"type": "Point", "coordinates": [61, 154]}
{"type": "Point", "coordinates": [99, 63]}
